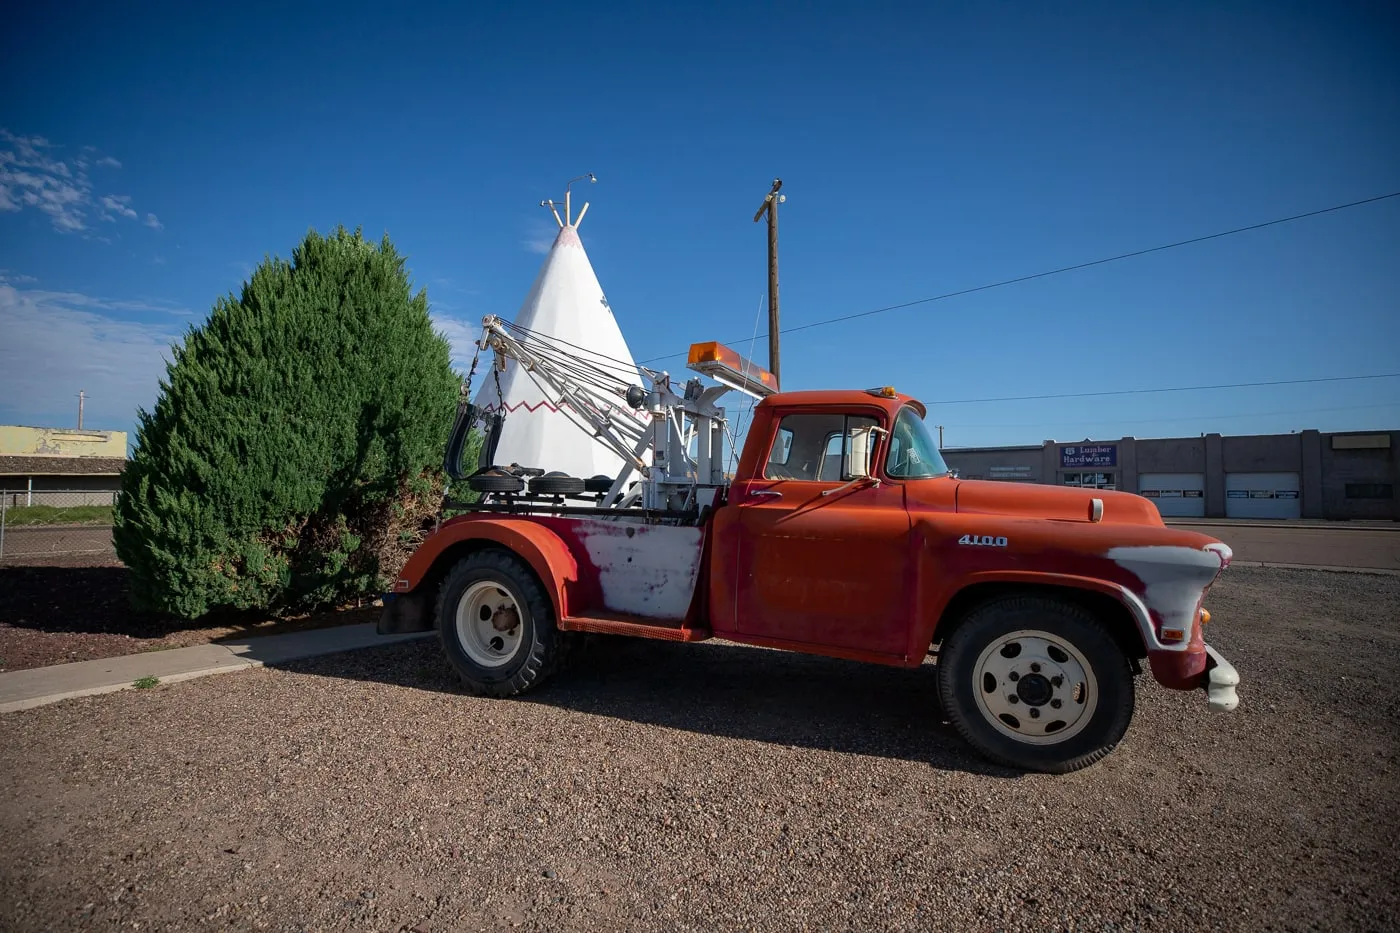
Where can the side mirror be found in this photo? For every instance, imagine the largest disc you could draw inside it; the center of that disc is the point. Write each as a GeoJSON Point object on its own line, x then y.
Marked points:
{"type": "Point", "coordinates": [862, 452]}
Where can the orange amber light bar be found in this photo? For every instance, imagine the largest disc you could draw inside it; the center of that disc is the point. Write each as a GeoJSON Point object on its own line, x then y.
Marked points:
{"type": "Point", "coordinates": [723, 365]}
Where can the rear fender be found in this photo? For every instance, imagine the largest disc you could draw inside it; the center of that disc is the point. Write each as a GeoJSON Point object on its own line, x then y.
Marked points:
{"type": "Point", "coordinates": [406, 609]}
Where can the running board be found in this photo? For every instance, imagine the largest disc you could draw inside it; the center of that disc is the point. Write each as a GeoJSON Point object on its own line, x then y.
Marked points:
{"type": "Point", "coordinates": [634, 626]}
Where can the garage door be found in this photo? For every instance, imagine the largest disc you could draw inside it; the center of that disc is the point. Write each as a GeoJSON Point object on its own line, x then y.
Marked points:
{"type": "Point", "coordinates": [1176, 495]}
{"type": "Point", "coordinates": [1262, 495]}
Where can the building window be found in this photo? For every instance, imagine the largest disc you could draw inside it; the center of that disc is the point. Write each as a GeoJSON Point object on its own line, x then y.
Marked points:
{"type": "Point", "coordinates": [1370, 491]}
{"type": "Point", "coordinates": [1091, 480]}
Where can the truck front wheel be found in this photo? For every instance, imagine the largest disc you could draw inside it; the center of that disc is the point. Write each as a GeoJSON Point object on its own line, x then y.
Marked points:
{"type": "Point", "coordinates": [1037, 684]}
{"type": "Point", "coordinates": [497, 627]}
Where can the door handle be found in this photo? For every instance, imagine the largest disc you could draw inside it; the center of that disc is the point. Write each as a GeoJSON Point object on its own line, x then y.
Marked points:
{"type": "Point", "coordinates": [770, 493]}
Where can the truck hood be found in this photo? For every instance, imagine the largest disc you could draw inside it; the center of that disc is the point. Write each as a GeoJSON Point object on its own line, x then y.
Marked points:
{"type": "Point", "coordinates": [1065, 503]}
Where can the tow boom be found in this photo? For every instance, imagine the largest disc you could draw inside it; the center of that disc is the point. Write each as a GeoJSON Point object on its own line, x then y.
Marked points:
{"type": "Point", "coordinates": [651, 427]}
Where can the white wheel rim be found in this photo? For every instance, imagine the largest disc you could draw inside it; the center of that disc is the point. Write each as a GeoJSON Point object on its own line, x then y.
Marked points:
{"type": "Point", "coordinates": [489, 624]}
{"type": "Point", "coordinates": [1035, 687]}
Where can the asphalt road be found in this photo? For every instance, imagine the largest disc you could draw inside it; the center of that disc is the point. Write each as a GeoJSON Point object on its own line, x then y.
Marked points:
{"type": "Point", "coordinates": [1353, 548]}
{"type": "Point", "coordinates": [31, 540]}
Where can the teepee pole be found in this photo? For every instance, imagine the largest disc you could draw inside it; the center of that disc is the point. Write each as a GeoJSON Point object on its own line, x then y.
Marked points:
{"type": "Point", "coordinates": [553, 210]}
{"type": "Point", "coordinates": [568, 212]}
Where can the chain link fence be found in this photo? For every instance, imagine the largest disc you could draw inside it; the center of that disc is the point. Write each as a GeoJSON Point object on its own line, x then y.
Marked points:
{"type": "Point", "coordinates": [50, 522]}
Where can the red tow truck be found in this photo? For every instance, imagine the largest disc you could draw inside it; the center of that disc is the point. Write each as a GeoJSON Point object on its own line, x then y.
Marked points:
{"type": "Point", "coordinates": [841, 533]}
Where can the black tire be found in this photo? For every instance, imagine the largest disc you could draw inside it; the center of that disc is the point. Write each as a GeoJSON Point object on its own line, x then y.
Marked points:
{"type": "Point", "coordinates": [599, 483]}
{"type": "Point", "coordinates": [495, 482]}
{"type": "Point", "coordinates": [542, 650]}
{"type": "Point", "coordinates": [1065, 626]}
{"type": "Point", "coordinates": [557, 484]}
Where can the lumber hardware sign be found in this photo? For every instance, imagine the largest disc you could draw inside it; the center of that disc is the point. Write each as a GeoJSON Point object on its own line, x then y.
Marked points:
{"type": "Point", "coordinates": [1089, 455]}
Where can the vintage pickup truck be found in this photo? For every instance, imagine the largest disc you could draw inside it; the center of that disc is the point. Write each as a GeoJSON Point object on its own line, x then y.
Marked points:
{"type": "Point", "coordinates": [840, 533]}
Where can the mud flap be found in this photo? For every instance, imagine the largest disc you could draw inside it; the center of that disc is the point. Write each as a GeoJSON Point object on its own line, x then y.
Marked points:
{"type": "Point", "coordinates": [404, 613]}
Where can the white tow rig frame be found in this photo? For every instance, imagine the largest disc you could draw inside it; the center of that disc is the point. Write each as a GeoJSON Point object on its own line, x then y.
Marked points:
{"type": "Point", "coordinates": [673, 480]}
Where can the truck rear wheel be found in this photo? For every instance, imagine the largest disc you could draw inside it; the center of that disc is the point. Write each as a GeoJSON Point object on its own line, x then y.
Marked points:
{"type": "Point", "coordinates": [497, 626]}
{"type": "Point", "coordinates": [1037, 684]}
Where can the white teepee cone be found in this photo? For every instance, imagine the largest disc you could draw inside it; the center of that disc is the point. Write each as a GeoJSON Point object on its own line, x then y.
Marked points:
{"type": "Point", "coordinates": [566, 303]}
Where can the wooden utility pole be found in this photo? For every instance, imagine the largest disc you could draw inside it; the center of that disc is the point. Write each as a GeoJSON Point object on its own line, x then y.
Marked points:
{"type": "Point", "coordinates": [940, 437]}
{"type": "Point", "coordinates": [81, 396]}
{"type": "Point", "coordinates": [770, 207]}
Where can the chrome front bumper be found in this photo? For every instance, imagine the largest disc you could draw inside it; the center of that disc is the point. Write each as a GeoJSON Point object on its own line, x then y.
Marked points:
{"type": "Point", "coordinates": [1220, 682]}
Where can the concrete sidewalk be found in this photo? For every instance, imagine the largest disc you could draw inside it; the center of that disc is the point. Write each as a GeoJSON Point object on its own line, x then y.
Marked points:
{"type": "Point", "coordinates": [43, 685]}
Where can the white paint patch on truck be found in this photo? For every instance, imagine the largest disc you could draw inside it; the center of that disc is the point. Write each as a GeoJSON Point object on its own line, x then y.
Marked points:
{"type": "Point", "coordinates": [644, 570]}
{"type": "Point", "coordinates": [1173, 578]}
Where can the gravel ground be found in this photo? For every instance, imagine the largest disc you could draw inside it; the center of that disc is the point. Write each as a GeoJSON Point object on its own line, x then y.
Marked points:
{"type": "Point", "coordinates": [671, 787]}
{"type": "Point", "coordinates": [63, 608]}
{"type": "Point", "coordinates": [27, 543]}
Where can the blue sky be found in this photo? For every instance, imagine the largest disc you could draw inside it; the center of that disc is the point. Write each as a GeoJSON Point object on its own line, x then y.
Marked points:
{"type": "Point", "coordinates": [923, 148]}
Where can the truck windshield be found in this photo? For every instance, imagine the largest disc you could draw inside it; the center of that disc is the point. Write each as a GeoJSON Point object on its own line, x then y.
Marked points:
{"type": "Point", "coordinates": [913, 453]}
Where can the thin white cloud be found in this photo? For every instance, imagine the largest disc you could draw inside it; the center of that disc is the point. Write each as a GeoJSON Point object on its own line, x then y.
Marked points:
{"type": "Point", "coordinates": [117, 204]}
{"type": "Point", "coordinates": [14, 278]}
{"type": "Point", "coordinates": [31, 177]}
{"type": "Point", "coordinates": [461, 335]}
{"type": "Point", "coordinates": [98, 304]}
{"type": "Point", "coordinates": [154, 222]}
{"type": "Point", "coordinates": [59, 342]}
{"type": "Point", "coordinates": [540, 235]}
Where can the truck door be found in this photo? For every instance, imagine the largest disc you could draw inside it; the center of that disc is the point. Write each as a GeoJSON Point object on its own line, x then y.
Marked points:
{"type": "Point", "coordinates": [817, 563]}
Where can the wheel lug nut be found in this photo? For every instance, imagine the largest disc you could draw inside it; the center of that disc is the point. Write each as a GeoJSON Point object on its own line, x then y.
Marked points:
{"type": "Point", "coordinates": [1013, 677]}
{"type": "Point", "coordinates": [1035, 668]}
{"type": "Point", "coordinates": [1056, 681]}
{"type": "Point", "coordinates": [1035, 713]}
{"type": "Point", "coordinates": [1013, 699]}
{"type": "Point", "coordinates": [1055, 703]}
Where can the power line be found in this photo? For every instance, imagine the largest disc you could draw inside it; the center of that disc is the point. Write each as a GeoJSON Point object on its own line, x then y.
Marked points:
{"type": "Point", "coordinates": [1082, 265]}
{"type": "Point", "coordinates": [1192, 418]}
{"type": "Point", "coordinates": [1232, 385]}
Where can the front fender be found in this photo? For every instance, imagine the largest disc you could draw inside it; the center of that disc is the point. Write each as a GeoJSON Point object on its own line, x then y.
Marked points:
{"type": "Point", "coordinates": [1142, 619]}
{"type": "Point", "coordinates": [543, 550]}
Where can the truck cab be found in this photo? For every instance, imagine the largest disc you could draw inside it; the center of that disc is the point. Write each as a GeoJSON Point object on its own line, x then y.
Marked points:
{"type": "Point", "coordinates": [843, 533]}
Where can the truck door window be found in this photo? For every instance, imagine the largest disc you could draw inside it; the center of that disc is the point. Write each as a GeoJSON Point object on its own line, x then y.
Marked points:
{"type": "Point", "coordinates": [814, 447]}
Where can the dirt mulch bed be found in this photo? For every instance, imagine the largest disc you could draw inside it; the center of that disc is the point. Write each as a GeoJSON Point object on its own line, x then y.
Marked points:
{"type": "Point", "coordinates": [78, 608]}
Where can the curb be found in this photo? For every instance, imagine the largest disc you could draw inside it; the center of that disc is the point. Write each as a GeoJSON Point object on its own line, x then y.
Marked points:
{"type": "Point", "coordinates": [1281, 524]}
{"type": "Point", "coordinates": [15, 706]}
{"type": "Point", "coordinates": [1275, 565]}
{"type": "Point", "coordinates": [27, 689]}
